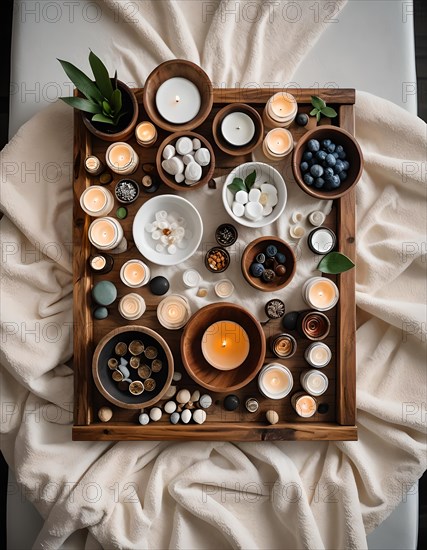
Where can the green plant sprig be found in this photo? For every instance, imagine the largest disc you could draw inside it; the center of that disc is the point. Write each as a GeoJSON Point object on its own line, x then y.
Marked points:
{"type": "Point", "coordinates": [320, 108]}
{"type": "Point", "coordinates": [239, 185]}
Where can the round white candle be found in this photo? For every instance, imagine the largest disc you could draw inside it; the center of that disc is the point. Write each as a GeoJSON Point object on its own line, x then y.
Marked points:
{"type": "Point", "coordinates": [96, 201]}
{"type": "Point", "coordinates": [322, 240]}
{"type": "Point", "coordinates": [314, 382]}
{"type": "Point", "coordinates": [178, 100]}
{"type": "Point", "coordinates": [122, 158]}
{"type": "Point", "coordinates": [173, 312]}
{"type": "Point", "coordinates": [278, 143]}
{"type": "Point", "coordinates": [225, 345]}
{"type": "Point", "coordinates": [105, 233]}
{"type": "Point", "coordinates": [135, 273]}
{"type": "Point", "coordinates": [320, 293]}
{"type": "Point", "coordinates": [318, 355]}
{"type": "Point", "coordinates": [275, 381]}
{"type": "Point", "coordinates": [93, 165]}
{"type": "Point", "coordinates": [238, 128]}
{"type": "Point", "coordinates": [224, 288]}
{"type": "Point", "coordinates": [132, 306]}
{"type": "Point", "coordinates": [304, 405]}
{"type": "Point", "coordinates": [282, 106]}
{"type": "Point", "coordinates": [98, 262]}
{"type": "Point", "coordinates": [145, 133]}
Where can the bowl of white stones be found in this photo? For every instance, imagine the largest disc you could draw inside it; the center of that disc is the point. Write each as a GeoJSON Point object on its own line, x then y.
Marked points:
{"type": "Point", "coordinates": [185, 160]}
{"type": "Point", "coordinates": [254, 194]}
{"type": "Point", "coordinates": [167, 229]}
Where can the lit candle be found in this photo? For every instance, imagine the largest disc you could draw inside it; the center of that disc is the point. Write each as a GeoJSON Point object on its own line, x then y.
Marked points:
{"type": "Point", "coordinates": [132, 306]}
{"type": "Point", "coordinates": [275, 381]}
{"type": "Point", "coordinates": [320, 293]}
{"type": "Point", "coordinates": [318, 355]}
{"type": "Point", "coordinates": [304, 405]}
{"type": "Point", "coordinates": [225, 345]}
{"type": "Point", "coordinates": [121, 158]}
{"type": "Point", "coordinates": [277, 143]}
{"type": "Point", "coordinates": [173, 312]}
{"type": "Point", "coordinates": [284, 345]}
{"type": "Point", "coordinates": [96, 201]}
{"type": "Point", "coordinates": [280, 110]}
{"type": "Point", "coordinates": [314, 382]}
{"type": "Point", "coordinates": [238, 128]}
{"type": "Point", "coordinates": [93, 165]}
{"type": "Point", "coordinates": [146, 134]}
{"type": "Point", "coordinates": [101, 264]}
{"type": "Point", "coordinates": [135, 273]}
{"type": "Point", "coordinates": [105, 233]}
{"type": "Point", "coordinates": [321, 240]}
{"type": "Point", "coordinates": [178, 100]}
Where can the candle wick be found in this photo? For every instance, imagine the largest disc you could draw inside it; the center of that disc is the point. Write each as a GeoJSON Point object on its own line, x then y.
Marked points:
{"type": "Point", "coordinates": [237, 127]}
{"type": "Point", "coordinates": [224, 343]}
{"type": "Point", "coordinates": [177, 98]}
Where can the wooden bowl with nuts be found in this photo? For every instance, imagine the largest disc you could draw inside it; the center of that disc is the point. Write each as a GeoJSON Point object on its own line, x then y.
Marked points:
{"type": "Point", "coordinates": [217, 259]}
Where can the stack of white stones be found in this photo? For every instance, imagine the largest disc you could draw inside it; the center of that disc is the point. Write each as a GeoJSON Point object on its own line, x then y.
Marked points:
{"type": "Point", "coordinates": [185, 160]}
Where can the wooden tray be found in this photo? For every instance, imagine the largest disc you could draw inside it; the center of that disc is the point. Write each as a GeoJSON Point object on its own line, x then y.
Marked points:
{"type": "Point", "coordinates": [338, 423]}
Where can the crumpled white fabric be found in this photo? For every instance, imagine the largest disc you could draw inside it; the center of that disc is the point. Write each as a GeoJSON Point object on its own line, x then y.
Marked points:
{"type": "Point", "coordinates": [215, 495]}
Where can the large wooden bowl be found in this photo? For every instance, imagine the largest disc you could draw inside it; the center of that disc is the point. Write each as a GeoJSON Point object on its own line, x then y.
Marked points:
{"type": "Point", "coordinates": [256, 247]}
{"type": "Point", "coordinates": [178, 68]}
{"type": "Point", "coordinates": [102, 374]}
{"type": "Point", "coordinates": [354, 156]}
{"type": "Point", "coordinates": [227, 147]}
{"type": "Point", "coordinates": [191, 350]}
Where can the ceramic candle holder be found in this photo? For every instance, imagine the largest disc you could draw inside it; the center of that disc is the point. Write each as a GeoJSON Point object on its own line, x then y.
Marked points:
{"type": "Point", "coordinates": [318, 355]}
{"type": "Point", "coordinates": [275, 381]}
{"type": "Point", "coordinates": [121, 158]}
{"type": "Point", "coordinates": [146, 134]}
{"type": "Point", "coordinates": [221, 140]}
{"type": "Point", "coordinates": [313, 325]}
{"type": "Point", "coordinates": [135, 273]}
{"type": "Point", "coordinates": [93, 165]}
{"type": "Point", "coordinates": [304, 405]}
{"type": "Point", "coordinates": [97, 201]}
{"type": "Point", "coordinates": [107, 234]}
{"type": "Point", "coordinates": [314, 382]}
{"type": "Point", "coordinates": [280, 110]}
{"type": "Point", "coordinates": [320, 293]}
{"type": "Point", "coordinates": [225, 345]}
{"type": "Point", "coordinates": [132, 306]}
{"type": "Point", "coordinates": [283, 346]}
{"type": "Point", "coordinates": [173, 312]}
{"type": "Point", "coordinates": [277, 144]}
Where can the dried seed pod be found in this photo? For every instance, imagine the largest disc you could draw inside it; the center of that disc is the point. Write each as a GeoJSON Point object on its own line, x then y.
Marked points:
{"type": "Point", "coordinates": [136, 347]}
{"type": "Point", "coordinates": [117, 376]}
{"type": "Point", "coordinates": [136, 387]}
{"type": "Point", "coordinates": [113, 363]}
{"type": "Point", "coordinates": [149, 384]}
{"type": "Point", "coordinates": [156, 365]}
{"type": "Point", "coordinates": [120, 349]}
{"type": "Point", "coordinates": [144, 371]}
{"type": "Point", "coordinates": [134, 362]}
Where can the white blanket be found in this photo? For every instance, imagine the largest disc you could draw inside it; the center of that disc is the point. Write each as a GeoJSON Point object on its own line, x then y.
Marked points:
{"type": "Point", "coordinates": [215, 495]}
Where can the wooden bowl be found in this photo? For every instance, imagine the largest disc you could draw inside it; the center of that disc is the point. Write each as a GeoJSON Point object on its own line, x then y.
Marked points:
{"type": "Point", "coordinates": [192, 356]}
{"type": "Point", "coordinates": [227, 147]}
{"type": "Point", "coordinates": [178, 68]}
{"type": "Point", "coordinates": [354, 157]}
{"type": "Point", "coordinates": [256, 247]}
{"type": "Point", "coordinates": [102, 374]}
{"type": "Point", "coordinates": [207, 171]}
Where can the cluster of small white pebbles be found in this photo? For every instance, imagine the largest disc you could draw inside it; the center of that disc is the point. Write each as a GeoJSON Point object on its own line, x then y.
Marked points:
{"type": "Point", "coordinates": [169, 230]}
{"type": "Point", "coordinates": [256, 204]}
{"type": "Point", "coordinates": [185, 160]}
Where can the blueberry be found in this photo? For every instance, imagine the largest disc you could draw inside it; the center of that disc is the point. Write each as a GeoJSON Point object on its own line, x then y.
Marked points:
{"type": "Point", "coordinates": [343, 175]}
{"type": "Point", "coordinates": [339, 167]}
{"type": "Point", "coordinates": [308, 180]}
{"type": "Point", "coordinates": [312, 162]}
{"type": "Point", "coordinates": [316, 171]}
{"type": "Point", "coordinates": [335, 182]}
{"type": "Point", "coordinates": [346, 164]}
{"type": "Point", "coordinates": [280, 258]}
{"type": "Point", "coordinates": [271, 251]}
{"type": "Point", "coordinates": [319, 183]}
{"type": "Point", "coordinates": [256, 269]}
{"type": "Point", "coordinates": [330, 148]}
{"type": "Point", "coordinates": [260, 258]}
{"type": "Point", "coordinates": [340, 150]}
{"type": "Point", "coordinates": [308, 155]}
{"type": "Point", "coordinates": [335, 154]}
{"type": "Point", "coordinates": [326, 143]}
{"type": "Point", "coordinates": [342, 155]}
{"type": "Point", "coordinates": [313, 145]}
{"type": "Point", "coordinates": [301, 119]}
{"type": "Point", "coordinates": [329, 172]}
{"type": "Point", "coordinates": [304, 166]}
{"type": "Point", "coordinates": [330, 160]}
{"type": "Point", "coordinates": [321, 155]}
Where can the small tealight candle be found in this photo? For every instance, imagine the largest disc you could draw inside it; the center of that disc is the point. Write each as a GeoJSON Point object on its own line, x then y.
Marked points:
{"type": "Point", "coordinates": [135, 273]}
{"type": "Point", "coordinates": [173, 312]}
{"type": "Point", "coordinates": [93, 165]}
{"type": "Point", "coordinates": [318, 355]}
{"type": "Point", "coordinates": [132, 306]}
{"type": "Point", "coordinates": [280, 110]}
{"type": "Point", "coordinates": [225, 345]}
{"type": "Point", "coordinates": [121, 158]}
{"type": "Point", "coordinates": [178, 100]}
{"type": "Point", "coordinates": [275, 381]}
{"type": "Point", "coordinates": [320, 293]}
{"type": "Point", "coordinates": [238, 128]}
{"type": "Point", "coordinates": [303, 404]}
{"type": "Point", "coordinates": [146, 134]}
{"type": "Point", "coordinates": [314, 382]}
{"type": "Point", "coordinates": [277, 144]}
{"type": "Point", "coordinates": [106, 234]}
{"type": "Point", "coordinates": [224, 288]}
{"type": "Point", "coordinates": [96, 201]}
{"type": "Point", "coordinates": [321, 240]}
{"type": "Point", "coordinates": [284, 345]}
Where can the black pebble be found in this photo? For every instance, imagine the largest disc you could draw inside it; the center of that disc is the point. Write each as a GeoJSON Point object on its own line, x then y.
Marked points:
{"type": "Point", "coordinates": [290, 320]}
{"type": "Point", "coordinates": [301, 119]}
{"type": "Point", "coordinates": [159, 285]}
{"type": "Point", "coordinates": [231, 402]}
{"type": "Point", "coordinates": [323, 408]}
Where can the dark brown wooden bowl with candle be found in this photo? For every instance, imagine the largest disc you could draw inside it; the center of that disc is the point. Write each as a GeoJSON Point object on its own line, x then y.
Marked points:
{"type": "Point", "coordinates": [184, 69]}
{"type": "Point", "coordinates": [194, 361]}
{"type": "Point", "coordinates": [226, 146]}
{"type": "Point", "coordinates": [259, 246]}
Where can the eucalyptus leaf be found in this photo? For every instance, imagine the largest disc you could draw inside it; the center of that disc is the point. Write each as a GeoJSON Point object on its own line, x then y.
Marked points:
{"type": "Point", "coordinates": [101, 76]}
{"type": "Point", "coordinates": [250, 180]}
{"type": "Point", "coordinates": [83, 83]}
{"type": "Point", "coordinates": [314, 112]}
{"type": "Point", "coordinates": [237, 185]}
{"type": "Point", "coordinates": [101, 118]}
{"type": "Point", "coordinates": [81, 104]}
{"type": "Point", "coordinates": [329, 112]}
{"type": "Point", "coordinates": [334, 263]}
{"type": "Point", "coordinates": [318, 115]}
{"type": "Point", "coordinates": [317, 102]}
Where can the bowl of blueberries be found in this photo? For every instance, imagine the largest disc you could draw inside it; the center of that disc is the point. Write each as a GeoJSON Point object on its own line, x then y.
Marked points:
{"type": "Point", "coordinates": [268, 264]}
{"type": "Point", "coordinates": [327, 162]}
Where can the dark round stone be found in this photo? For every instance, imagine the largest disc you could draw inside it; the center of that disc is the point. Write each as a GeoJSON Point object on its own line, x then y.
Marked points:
{"type": "Point", "coordinates": [260, 258]}
{"type": "Point", "coordinates": [280, 270]}
{"type": "Point", "coordinates": [268, 275]}
{"type": "Point", "coordinates": [290, 320]}
{"type": "Point", "coordinates": [301, 119]}
{"type": "Point", "coordinates": [100, 312]}
{"type": "Point", "coordinates": [231, 402]}
{"type": "Point", "coordinates": [159, 285]}
{"type": "Point", "coordinates": [323, 408]}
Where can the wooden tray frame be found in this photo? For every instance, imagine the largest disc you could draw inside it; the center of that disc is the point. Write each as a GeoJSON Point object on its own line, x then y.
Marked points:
{"type": "Point", "coordinates": [86, 424]}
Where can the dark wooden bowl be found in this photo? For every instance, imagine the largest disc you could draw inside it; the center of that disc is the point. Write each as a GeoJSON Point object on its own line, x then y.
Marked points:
{"type": "Point", "coordinates": [102, 374]}
{"type": "Point", "coordinates": [259, 245]}
{"type": "Point", "coordinates": [191, 350]}
{"type": "Point", "coordinates": [354, 157]}
{"type": "Point", "coordinates": [207, 171]}
{"type": "Point", "coordinates": [185, 69]}
{"type": "Point", "coordinates": [227, 147]}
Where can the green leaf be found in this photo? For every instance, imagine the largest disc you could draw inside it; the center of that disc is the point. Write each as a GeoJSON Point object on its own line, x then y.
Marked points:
{"type": "Point", "coordinates": [318, 115]}
{"type": "Point", "coordinates": [83, 83]}
{"type": "Point", "coordinates": [314, 112]}
{"type": "Point", "coordinates": [101, 76]}
{"type": "Point", "coordinates": [237, 185]}
{"type": "Point", "coordinates": [102, 118]}
{"type": "Point", "coordinates": [329, 112]}
{"type": "Point", "coordinates": [81, 104]}
{"type": "Point", "coordinates": [115, 79]}
{"type": "Point", "coordinates": [335, 263]}
{"type": "Point", "coordinates": [116, 101]}
{"type": "Point", "coordinates": [250, 180]}
{"type": "Point", "coordinates": [317, 102]}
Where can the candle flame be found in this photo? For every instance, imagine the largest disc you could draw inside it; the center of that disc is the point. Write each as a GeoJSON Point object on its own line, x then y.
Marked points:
{"type": "Point", "coordinates": [177, 98]}
{"type": "Point", "coordinates": [224, 343]}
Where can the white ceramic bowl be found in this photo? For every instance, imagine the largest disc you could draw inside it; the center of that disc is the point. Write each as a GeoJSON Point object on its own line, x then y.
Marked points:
{"type": "Point", "coordinates": [172, 204]}
{"type": "Point", "coordinates": [264, 173]}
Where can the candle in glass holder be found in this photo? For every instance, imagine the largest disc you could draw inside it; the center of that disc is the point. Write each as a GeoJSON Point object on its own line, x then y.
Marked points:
{"type": "Point", "coordinates": [135, 273]}
{"type": "Point", "coordinates": [225, 345]}
{"type": "Point", "coordinates": [303, 404]}
{"type": "Point", "coordinates": [146, 134]}
{"type": "Point", "coordinates": [277, 144]}
{"type": "Point", "coordinates": [132, 306]}
{"type": "Point", "coordinates": [178, 100]}
{"type": "Point", "coordinates": [275, 381]}
{"type": "Point", "coordinates": [106, 234]}
{"type": "Point", "coordinates": [173, 312]}
{"type": "Point", "coordinates": [320, 293]}
{"type": "Point", "coordinates": [314, 382]}
{"type": "Point", "coordinates": [96, 201]}
{"type": "Point", "coordinates": [318, 355]}
{"type": "Point", "coordinates": [93, 165]}
{"type": "Point", "coordinates": [321, 240]}
{"type": "Point", "coordinates": [121, 158]}
{"type": "Point", "coordinates": [280, 110]}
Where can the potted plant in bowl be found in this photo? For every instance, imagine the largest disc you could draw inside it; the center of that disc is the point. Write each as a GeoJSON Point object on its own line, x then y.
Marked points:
{"type": "Point", "coordinates": [109, 107]}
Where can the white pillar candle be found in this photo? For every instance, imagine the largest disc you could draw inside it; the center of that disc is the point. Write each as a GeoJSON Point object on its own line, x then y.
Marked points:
{"type": "Point", "coordinates": [238, 128]}
{"type": "Point", "coordinates": [278, 143]}
{"type": "Point", "coordinates": [314, 382]}
{"type": "Point", "coordinates": [320, 293]}
{"type": "Point", "coordinates": [304, 405]}
{"type": "Point", "coordinates": [225, 345]}
{"type": "Point", "coordinates": [173, 312]}
{"type": "Point", "coordinates": [122, 158]}
{"type": "Point", "coordinates": [178, 100]}
{"type": "Point", "coordinates": [105, 233]}
{"type": "Point", "coordinates": [275, 381]}
{"type": "Point", "coordinates": [132, 306]}
{"type": "Point", "coordinates": [318, 355]}
{"type": "Point", "coordinates": [280, 110]}
{"type": "Point", "coordinates": [135, 273]}
{"type": "Point", "coordinates": [146, 134]}
{"type": "Point", "coordinates": [96, 201]}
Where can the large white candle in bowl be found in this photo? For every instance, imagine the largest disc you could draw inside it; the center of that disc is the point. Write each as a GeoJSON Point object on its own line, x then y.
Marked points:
{"type": "Point", "coordinates": [178, 100]}
{"type": "Point", "coordinates": [225, 345]}
{"type": "Point", "coordinates": [275, 381]}
{"type": "Point", "coordinates": [96, 201]}
{"type": "Point", "coordinates": [135, 273]}
{"type": "Point", "coordinates": [314, 382]}
{"type": "Point", "coordinates": [122, 158]}
{"type": "Point", "coordinates": [105, 233]}
{"type": "Point", "coordinates": [320, 293]}
{"type": "Point", "coordinates": [238, 128]}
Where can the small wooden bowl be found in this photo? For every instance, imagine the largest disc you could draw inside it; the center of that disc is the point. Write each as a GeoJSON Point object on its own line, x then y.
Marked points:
{"type": "Point", "coordinates": [191, 350]}
{"type": "Point", "coordinates": [354, 157]}
{"type": "Point", "coordinates": [256, 247]}
{"type": "Point", "coordinates": [207, 171]}
{"type": "Point", "coordinates": [178, 68]}
{"type": "Point", "coordinates": [227, 147]}
{"type": "Point", "coordinates": [102, 374]}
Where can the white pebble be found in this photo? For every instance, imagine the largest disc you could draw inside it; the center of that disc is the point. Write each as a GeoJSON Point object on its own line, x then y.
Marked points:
{"type": "Point", "coordinates": [164, 239]}
{"type": "Point", "coordinates": [190, 182]}
{"type": "Point", "coordinates": [186, 159]}
{"type": "Point", "coordinates": [123, 361]}
{"type": "Point", "coordinates": [144, 419]}
{"type": "Point", "coordinates": [149, 227]}
{"type": "Point", "coordinates": [161, 216]}
{"type": "Point", "coordinates": [183, 396]}
{"type": "Point", "coordinates": [168, 152]}
{"type": "Point", "coordinates": [172, 249]}
{"type": "Point", "coordinates": [195, 396]}
{"type": "Point", "coordinates": [196, 143]}
{"type": "Point", "coordinates": [105, 414]}
{"type": "Point", "coordinates": [272, 417]}
{"type": "Point", "coordinates": [238, 209]}
{"type": "Point", "coordinates": [160, 248]}
{"type": "Point", "coordinates": [205, 401]}
{"type": "Point", "coordinates": [199, 416]}
{"type": "Point", "coordinates": [176, 376]}
{"type": "Point", "coordinates": [125, 371]}
{"type": "Point", "coordinates": [202, 156]}
{"type": "Point", "coordinates": [193, 172]}
{"type": "Point", "coordinates": [254, 195]}
{"type": "Point", "coordinates": [170, 407]}
{"type": "Point", "coordinates": [173, 166]}
{"type": "Point", "coordinates": [253, 210]}
{"type": "Point", "coordinates": [156, 414]}
{"type": "Point", "coordinates": [171, 391]}
{"type": "Point", "coordinates": [179, 178]}
{"type": "Point", "coordinates": [174, 418]}
{"type": "Point", "coordinates": [163, 225]}
{"type": "Point", "coordinates": [186, 416]}
{"type": "Point", "coordinates": [183, 145]}
{"type": "Point", "coordinates": [267, 210]}
{"type": "Point", "coordinates": [242, 197]}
